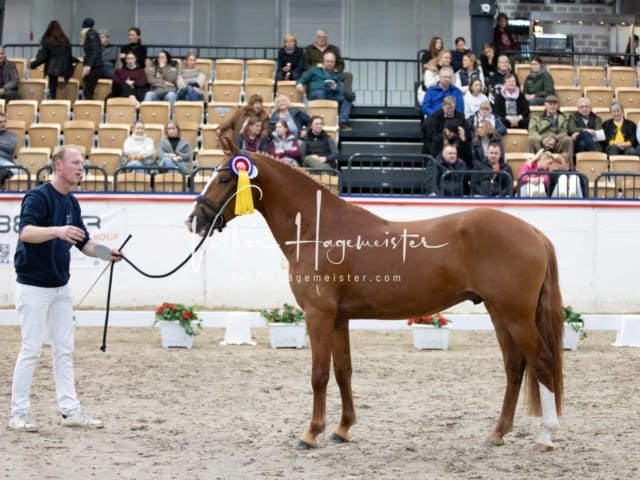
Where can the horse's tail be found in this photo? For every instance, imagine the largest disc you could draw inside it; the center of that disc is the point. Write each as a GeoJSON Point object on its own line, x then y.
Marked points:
{"type": "Point", "coordinates": [549, 320]}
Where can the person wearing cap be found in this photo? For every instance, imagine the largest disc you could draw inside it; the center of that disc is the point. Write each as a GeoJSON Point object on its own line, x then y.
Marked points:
{"type": "Point", "coordinates": [538, 84]}
{"type": "Point", "coordinates": [92, 61]}
{"type": "Point", "coordinates": [548, 130]}
{"type": "Point", "coordinates": [109, 54]}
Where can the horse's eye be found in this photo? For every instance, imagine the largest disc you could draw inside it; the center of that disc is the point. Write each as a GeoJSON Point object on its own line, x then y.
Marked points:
{"type": "Point", "coordinates": [224, 179]}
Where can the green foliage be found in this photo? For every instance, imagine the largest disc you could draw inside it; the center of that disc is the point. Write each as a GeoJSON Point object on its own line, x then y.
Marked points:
{"type": "Point", "coordinates": [177, 312]}
{"type": "Point", "coordinates": [285, 314]}
{"type": "Point", "coordinates": [574, 320]}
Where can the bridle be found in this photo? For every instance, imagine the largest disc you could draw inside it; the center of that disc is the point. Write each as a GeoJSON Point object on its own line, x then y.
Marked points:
{"type": "Point", "coordinates": [216, 220]}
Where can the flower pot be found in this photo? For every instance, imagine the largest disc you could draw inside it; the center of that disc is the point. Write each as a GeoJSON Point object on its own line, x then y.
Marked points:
{"type": "Point", "coordinates": [570, 338]}
{"type": "Point", "coordinates": [428, 337]}
{"type": "Point", "coordinates": [287, 335]}
{"type": "Point", "coordinates": [173, 335]}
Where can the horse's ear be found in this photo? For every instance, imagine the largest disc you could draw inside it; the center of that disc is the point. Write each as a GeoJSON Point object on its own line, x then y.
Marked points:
{"type": "Point", "coordinates": [228, 146]}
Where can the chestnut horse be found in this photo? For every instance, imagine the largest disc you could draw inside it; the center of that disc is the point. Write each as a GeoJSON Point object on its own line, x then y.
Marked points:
{"type": "Point", "coordinates": [345, 262]}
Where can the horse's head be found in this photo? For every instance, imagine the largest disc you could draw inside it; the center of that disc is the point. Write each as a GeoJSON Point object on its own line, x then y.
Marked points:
{"type": "Point", "coordinates": [216, 204]}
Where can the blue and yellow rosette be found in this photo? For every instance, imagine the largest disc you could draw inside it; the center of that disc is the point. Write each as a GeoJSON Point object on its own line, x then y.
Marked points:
{"type": "Point", "coordinates": [245, 170]}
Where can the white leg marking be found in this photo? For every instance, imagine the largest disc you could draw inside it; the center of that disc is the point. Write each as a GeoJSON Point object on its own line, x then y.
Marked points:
{"type": "Point", "coordinates": [549, 416]}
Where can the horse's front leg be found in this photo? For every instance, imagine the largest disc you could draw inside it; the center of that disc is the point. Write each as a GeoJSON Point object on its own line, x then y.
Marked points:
{"type": "Point", "coordinates": [343, 370]}
{"type": "Point", "coordinates": [320, 335]}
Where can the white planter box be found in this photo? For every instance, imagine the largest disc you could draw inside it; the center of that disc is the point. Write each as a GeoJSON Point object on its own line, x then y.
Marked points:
{"type": "Point", "coordinates": [287, 335]}
{"type": "Point", "coordinates": [570, 338]}
{"type": "Point", "coordinates": [428, 337]}
{"type": "Point", "coordinates": [173, 335]}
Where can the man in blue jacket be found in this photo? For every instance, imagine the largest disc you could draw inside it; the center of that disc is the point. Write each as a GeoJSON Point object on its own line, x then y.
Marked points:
{"type": "Point", "coordinates": [432, 101]}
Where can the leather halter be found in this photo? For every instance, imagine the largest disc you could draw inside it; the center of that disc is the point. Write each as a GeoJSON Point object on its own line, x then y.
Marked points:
{"type": "Point", "coordinates": [215, 209]}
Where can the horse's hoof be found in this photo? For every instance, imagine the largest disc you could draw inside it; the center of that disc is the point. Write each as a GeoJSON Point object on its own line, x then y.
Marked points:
{"type": "Point", "coordinates": [544, 448]}
{"type": "Point", "coordinates": [493, 441]}
{"type": "Point", "coordinates": [335, 438]}
{"type": "Point", "coordinates": [302, 445]}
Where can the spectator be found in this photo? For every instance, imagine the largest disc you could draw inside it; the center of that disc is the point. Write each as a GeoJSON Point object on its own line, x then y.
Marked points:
{"type": "Point", "coordinates": [290, 59]}
{"type": "Point", "coordinates": [232, 127]}
{"type": "Point", "coordinates": [619, 132]}
{"type": "Point", "coordinates": [484, 113]}
{"type": "Point", "coordinates": [325, 82]}
{"type": "Point", "coordinates": [468, 72]}
{"type": "Point", "coordinates": [503, 38]}
{"type": "Point", "coordinates": [109, 54]}
{"type": "Point", "coordinates": [566, 185]}
{"type": "Point", "coordinates": [630, 52]}
{"type": "Point", "coordinates": [538, 84]}
{"type": "Point", "coordinates": [473, 98]}
{"type": "Point", "coordinates": [457, 54]}
{"type": "Point", "coordinates": [8, 144]}
{"type": "Point", "coordinates": [162, 78]}
{"type": "Point", "coordinates": [138, 149]}
{"type": "Point", "coordinates": [536, 184]}
{"type": "Point", "coordinates": [55, 53]}
{"type": "Point", "coordinates": [493, 184]}
{"type": "Point", "coordinates": [173, 150]}
{"type": "Point", "coordinates": [284, 145]}
{"type": "Point", "coordinates": [190, 80]}
{"type": "Point", "coordinates": [9, 78]}
{"type": "Point", "coordinates": [497, 80]}
{"type": "Point", "coordinates": [434, 126]}
{"type": "Point", "coordinates": [548, 130]}
{"type": "Point", "coordinates": [489, 62]}
{"type": "Point", "coordinates": [92, 61]}
{"type": "Point", "coordinates": [319, 151]}
{"type": "Point", "coordinates": [453, 185]}
{"type": "Point", "coordinates": [511, 106]}
{"type": "Point", "coordinates": [297, 120]}
{"type": "Point", "coordinates": [436, 45]}
{"type": "Point", "coordinates": [483, 136]}
{"type": "Point", "coordinates": [444, 88]}
{"type": "Point", "coordinates": [130, 80]}
{"type": "Point", "coordinates": [314, 55]}
{"type": "Point", "coordinates": [251, 137]}
{"type": "Point", "coordinates": [135, 46]}
{"type": "Point", "coordinates": [431, 74]}
{"type": "Point", "coordinates": [585, 128]}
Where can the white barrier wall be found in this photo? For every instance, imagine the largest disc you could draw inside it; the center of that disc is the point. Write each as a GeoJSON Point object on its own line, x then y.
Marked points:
{"type": "Point", "coordinates": [243, 268]}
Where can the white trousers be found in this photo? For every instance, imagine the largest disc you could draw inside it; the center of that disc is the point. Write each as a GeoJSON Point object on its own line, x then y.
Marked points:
{"type": "Point", "coordinates": [44, 313]}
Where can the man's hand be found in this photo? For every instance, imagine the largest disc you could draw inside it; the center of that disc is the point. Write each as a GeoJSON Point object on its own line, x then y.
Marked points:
{"type": "Point", "coordinates": [70, 233]}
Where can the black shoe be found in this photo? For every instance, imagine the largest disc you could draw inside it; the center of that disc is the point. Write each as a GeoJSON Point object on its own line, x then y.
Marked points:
{"type": "Point", "coordinates": [5, 174]}
{"type": "Point", "coordinates": [345, 127]}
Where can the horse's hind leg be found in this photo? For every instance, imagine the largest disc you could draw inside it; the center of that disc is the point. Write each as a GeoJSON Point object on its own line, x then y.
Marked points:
{"type": "Point", "coordinates": [514, 365]}
{"type": "Point", "coordinates": [343, 370]}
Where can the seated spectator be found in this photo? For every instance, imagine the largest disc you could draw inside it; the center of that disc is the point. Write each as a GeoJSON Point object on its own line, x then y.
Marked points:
{"type": "Point", "coordinates": [8, 144]}
{"type": "Point", "coordinates": [484, 113]}
{"type": "Point", "coordinates": [536, 184]}
{"type": "Point", "coordinates": [319, 151]}
{"type": "Point", "coordinates": [454, 185]}
{"type": "Point", "coordinates": [432, 101]}
{"type": "Point", "coordinates": [290, 63]}
{"type": "Point", "coordinates": [585, 128]}
{"type": "Point", "coordinates": [314, 55]}
{"type": "Point", "coordinates": [510, 104]}
{"type": "Point", "coordinates": [503, 38]}
{"type": "Point", "coordinates": [538, 84]}
{"type": "Point", "coordinates": [630, 52]}
{"type": "Point", "coordinates": [325, 82]}
{"type": "Point", "coordinates": [548, 130]}
{"type": "Point", "coordinates": [455, 133]}
{"type": "Point", "coordinates": [473, 98]}
{"type": "Point", "coordinates": [483, 136]}
{"type": "Point", "coordinates": [135, 46]}
{"type": "Point", "coordinates": [468, 72]}
{"type": "Point", "coordinates": [457, 54]}
{"type": "Point", "coordinates": [566, 185]}
{"type": "Point", "coordinates": [173, 150]}
{"type": "Point", "coordinates": [129, 81]}
{"type": "Point", "coordinates": [498, 78]}
{"type": "Point", "coordinates": [284, 145]}
{"type": "Point", "coordinates": [297, 120]}
{"type": "Point", "coordinates": [138, 149]}
{"type": "Point", "coordinates": [434, 126]}
{"type": "Point", "coordinates": [9, 78]}
{"type": "Point", "coordinates": [436, 45]}
{"type": "Point", "coordinates": [619, 133]}
{"type": "Point", "coordinates": [109, 54]}
{"type": "Point", "coordinates": [162, 78]}
{"type": "Point", "coordinates": [251, 137]}
{"type": "Point", "coordinates": [254, 108]}
{"type": "Point", "coordinates": [495, 184]}
{"type": "Point", "coordinates": [489, 62]}
{"type": "Point", "coordinates": [431, 73]}
{"type": "Point", "coordinates": [190, 81]}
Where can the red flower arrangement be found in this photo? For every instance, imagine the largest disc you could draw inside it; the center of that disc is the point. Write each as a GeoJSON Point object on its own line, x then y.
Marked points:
{"type": "Point", "coordinates": [437, 320]}
{"type": "Point", "coordinates": [177, 312]}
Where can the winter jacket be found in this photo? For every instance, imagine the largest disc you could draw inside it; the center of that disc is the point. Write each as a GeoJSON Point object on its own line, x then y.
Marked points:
{"type": "Point", "coordinates": [285, 148]}
{"type": "Point", "coordinates": [10, 75]}
{"type": "Point", "coordinates": [493, 184]}
{"type": "Point", "coordinates": [628, 131]}
{"type": "Point", "coordinates": [453, 185]}
{"type": "Point", "coordinates": [295, 58]}
{"type": "Point", "coordinates": [540, 126]}
{"type": "Point", "coordinates": [433, 98]}
{"type": "Point", "coordinates": [503, 103]}
{"type": "Point", "coordinates": [576, 124]}
{"type": "Point", "coordinates": [92, 49]}
{"type": "Point", "coordinates": [316, 77]}
{"type": "Point", "coordinates": [57, 60]}
{"type": "Point", "coordinates": [322, 145]}
{"type": "Point", "coordinates": [539, 84]}
{"type": "Point", "coordinates": [162, 79]}
{"type": "Point", "coordinates": [182, 148]}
